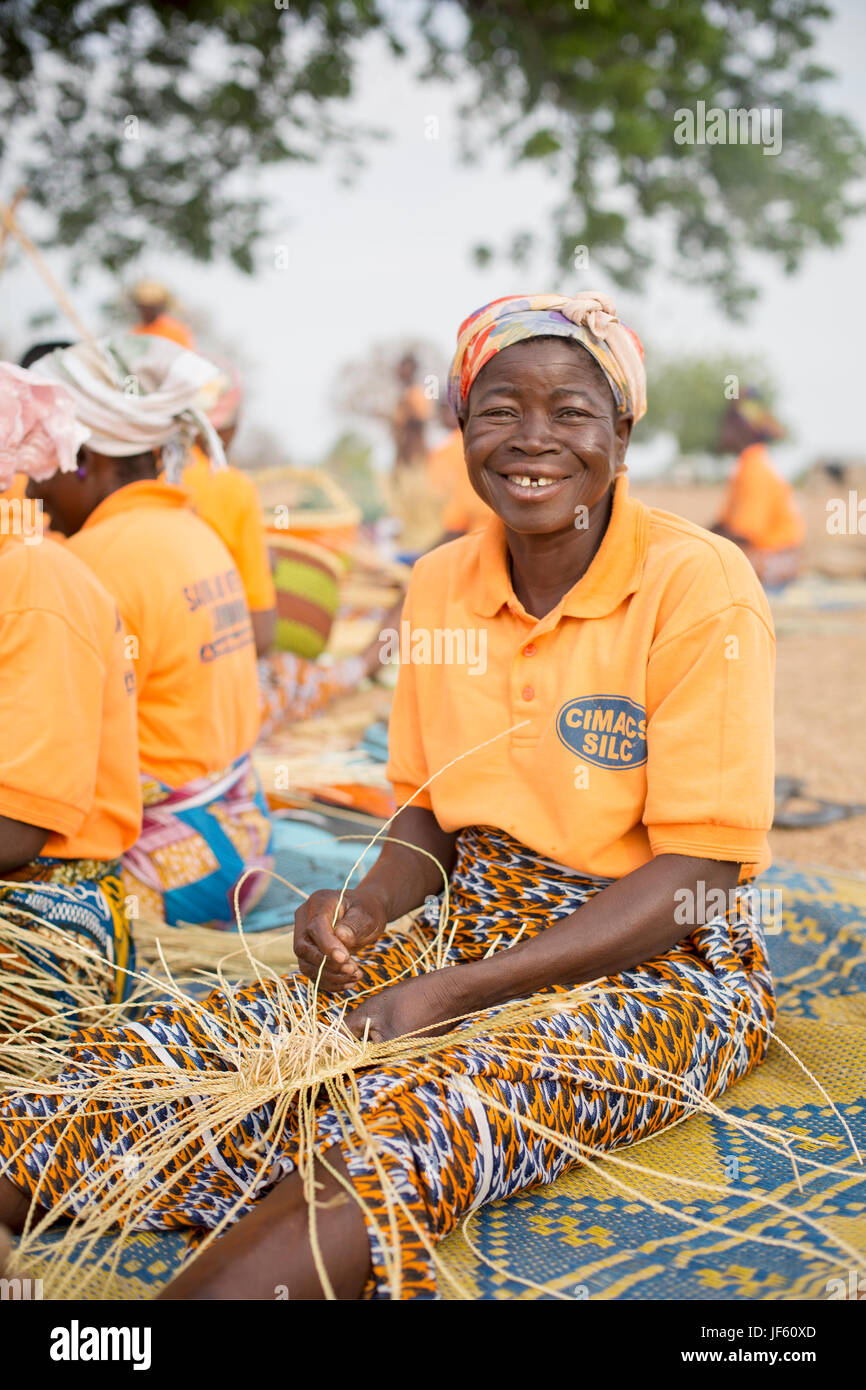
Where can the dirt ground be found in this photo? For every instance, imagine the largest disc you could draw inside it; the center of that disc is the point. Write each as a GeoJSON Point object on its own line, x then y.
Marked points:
{"type": "Point", "coordinates": [820, 680]}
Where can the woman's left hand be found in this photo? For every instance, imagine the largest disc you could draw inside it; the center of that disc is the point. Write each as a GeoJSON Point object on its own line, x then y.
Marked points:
{"type": "Point", "coordinates": [427, 1003]}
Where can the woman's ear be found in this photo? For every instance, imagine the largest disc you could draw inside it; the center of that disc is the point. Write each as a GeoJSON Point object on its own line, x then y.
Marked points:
{"type": "Point", "coordinates": [623, 430]}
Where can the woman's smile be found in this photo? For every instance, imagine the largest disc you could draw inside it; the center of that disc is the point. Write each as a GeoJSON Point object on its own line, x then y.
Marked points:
{"type": "Point", "coordinates": [528, 483]}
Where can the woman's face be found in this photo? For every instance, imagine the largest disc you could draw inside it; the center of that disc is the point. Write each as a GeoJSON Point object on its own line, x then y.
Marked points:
{"type": "Point", "coordinates": [541, 435]}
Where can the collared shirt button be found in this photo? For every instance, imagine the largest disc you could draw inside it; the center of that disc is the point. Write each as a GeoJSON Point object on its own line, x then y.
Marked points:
{"type": "Point", "coordinates": [530, 649]}
{"type": "Point", "coordinates": [528, 693]}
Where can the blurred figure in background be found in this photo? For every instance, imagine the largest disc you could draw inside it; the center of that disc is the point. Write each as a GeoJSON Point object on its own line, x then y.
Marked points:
{"type": "Point", "coordinates": [759, 511]}
{"type": "Point", "coordinates": [411, 415]}
{"type": "Point", "coordinates": [409, 494]}
{"type": "Point", "coordinates": [229, 501]}
{"type": "Point", "coordinates": [151, 302]}
{"type": "Point", "coordinates": [462, 509]}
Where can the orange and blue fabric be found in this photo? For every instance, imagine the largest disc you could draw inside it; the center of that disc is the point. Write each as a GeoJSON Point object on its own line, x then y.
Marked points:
{"type": "Point", "coordinates": [451, 1132]}
{"type": "Point", "coordinates": [197, 843]}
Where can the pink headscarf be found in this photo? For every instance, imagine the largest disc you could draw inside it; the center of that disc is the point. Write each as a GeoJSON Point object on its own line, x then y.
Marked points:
{"type": "Point", "coordinates": [39, 433]}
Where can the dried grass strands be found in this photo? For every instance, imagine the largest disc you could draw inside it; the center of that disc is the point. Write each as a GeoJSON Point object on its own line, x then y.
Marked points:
{"type": "Point", "coordinates": [267, 1070]}
{"type": "Point", "coordinates": [31, 1009]}
{"type": "Point", "coordinates": [190, 951]}
{"type": "Point", "coordinates": [291, 1071]}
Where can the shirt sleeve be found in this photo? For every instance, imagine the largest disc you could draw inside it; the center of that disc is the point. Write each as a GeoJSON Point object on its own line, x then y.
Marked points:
{"type": "Point", "coordinates": [710, 739]}
{"type": "Point", "coordinates": [407, 768]}
{"type": "Point", "coordinates": [51, 692]}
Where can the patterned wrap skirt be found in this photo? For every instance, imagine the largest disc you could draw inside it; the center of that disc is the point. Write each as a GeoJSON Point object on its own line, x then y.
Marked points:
{"type": "Point", "coordinates": [196, 842]}
{"type": "Point", "coordinates": [83, 897]}
{"type": "Point", "coordinates": [451, 1132]}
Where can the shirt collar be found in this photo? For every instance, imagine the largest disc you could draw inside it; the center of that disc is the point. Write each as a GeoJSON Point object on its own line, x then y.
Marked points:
{"type": "Point", "coordinates": [150, 492]}
{"type": "Point", "coordinates": [614, 573]}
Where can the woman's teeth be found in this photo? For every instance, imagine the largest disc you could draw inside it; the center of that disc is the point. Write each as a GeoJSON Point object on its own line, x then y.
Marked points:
{"type": "Point", "coordinates": [523, 481]}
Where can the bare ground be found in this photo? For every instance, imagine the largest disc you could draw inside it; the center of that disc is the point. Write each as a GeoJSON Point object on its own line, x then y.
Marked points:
{"type": "Point", "coordinates": [820, 685]}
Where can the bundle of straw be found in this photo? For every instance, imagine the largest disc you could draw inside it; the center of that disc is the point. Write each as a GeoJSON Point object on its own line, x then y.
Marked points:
{"type": "Point", "coordinates": [311, 1059]}
{"type": "Point", "coordinates": [191, 951]}
{"type": "Point", "coordinates": [51, 981]}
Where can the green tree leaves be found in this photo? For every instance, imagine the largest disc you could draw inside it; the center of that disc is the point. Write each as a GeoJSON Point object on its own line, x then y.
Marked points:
{"type": "Point", "coordinates": [145, 123]}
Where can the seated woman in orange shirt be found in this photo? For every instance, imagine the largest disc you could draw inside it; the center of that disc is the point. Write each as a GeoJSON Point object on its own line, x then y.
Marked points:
{"type": "Point", "coordinates": [188, 626]}
{"type": "Point", "coordinates": [759, 512]}
{"type": "Point", "coordinates": [594, 779]}
{"type": "Point", "coordinates": [70, 803]}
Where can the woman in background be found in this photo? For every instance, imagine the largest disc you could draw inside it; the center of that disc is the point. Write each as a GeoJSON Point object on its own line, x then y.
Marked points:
{"type": "Point", "coordinates": [185, 613]}
{"type": "Point", "coordinates": [759, 514]}
{"type": "Point", "coordinates": [70, 802]}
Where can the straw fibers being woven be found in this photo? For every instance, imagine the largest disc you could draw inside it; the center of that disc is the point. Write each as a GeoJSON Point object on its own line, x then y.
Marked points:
{"type": "Point", "coordinates": [759, 1197]}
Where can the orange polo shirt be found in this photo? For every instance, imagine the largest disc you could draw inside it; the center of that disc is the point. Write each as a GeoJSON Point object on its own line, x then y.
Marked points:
{"type": "Point", "coordinates": [183, 602]}
{"type": "Point", "coordinates": [463, 509]}
{"type": "Point", "coordinates": [229, 502]}
{"type": "Point", "coordinates": [68, 759]}
{"type": "Point", "coordinates": [164, 326]}
{"type": "Point", "coordinates": [760, 504]}
{"type": "Point", "coordinates": [644, 698]}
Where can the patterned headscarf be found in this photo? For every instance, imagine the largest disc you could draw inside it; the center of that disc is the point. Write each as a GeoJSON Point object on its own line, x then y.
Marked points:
{"type": "Point", "coordinates": [588, 318]}
{"type": "Point", "coordinates": [136, 392]}
{"type": "Point", "coordinates": [756, 414]}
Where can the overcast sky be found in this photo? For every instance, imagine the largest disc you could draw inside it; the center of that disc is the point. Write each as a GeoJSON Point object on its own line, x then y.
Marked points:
{"type": "Point", "coordinates": [390, 257]}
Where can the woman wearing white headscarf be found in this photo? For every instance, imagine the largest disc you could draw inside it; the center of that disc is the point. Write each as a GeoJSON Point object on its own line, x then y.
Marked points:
{"type": "Point", "coordinates": [185, 613]}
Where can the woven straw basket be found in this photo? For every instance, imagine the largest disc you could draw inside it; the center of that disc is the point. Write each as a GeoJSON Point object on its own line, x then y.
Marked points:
{"type": "Point", "coordinates": [311, 527]}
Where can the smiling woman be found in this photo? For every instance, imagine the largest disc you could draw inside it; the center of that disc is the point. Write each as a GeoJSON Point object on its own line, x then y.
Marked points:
{"type": "Point", "coordinates": [613, 760]}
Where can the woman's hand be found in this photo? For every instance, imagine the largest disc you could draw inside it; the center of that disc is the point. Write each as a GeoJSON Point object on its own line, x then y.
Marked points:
{"type": "Point", "coordinates": [320, 936]}
{"type": "Point", "coordinates": [428, 1003]}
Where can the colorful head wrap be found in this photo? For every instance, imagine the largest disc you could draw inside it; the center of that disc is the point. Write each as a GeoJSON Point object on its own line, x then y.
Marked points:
{"type": "Point", "coordinates": [588, 318]}
{"type": "Point", "coordinates": [751, 409]}
{"type": "Point", "coordinates": [39, 433]}
{"type": "Point", "coordinates": [134, 393]}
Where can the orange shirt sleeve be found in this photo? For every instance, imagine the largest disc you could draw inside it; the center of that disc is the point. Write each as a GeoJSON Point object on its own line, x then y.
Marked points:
{"type": "Point", "coordinates": [51, 689]}
{"type": "Point", "coordinates": [407, 761]}
{"type": "Point", "coordinates": [710, 738]}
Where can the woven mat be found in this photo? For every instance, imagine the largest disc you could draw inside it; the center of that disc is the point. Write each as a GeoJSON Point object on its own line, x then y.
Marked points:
{"type": "Point", "coordinates": [582, 1238]}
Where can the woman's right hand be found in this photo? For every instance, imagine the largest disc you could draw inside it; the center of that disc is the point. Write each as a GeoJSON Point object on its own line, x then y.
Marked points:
{"type": "Point", "coordinates": [322, 935]}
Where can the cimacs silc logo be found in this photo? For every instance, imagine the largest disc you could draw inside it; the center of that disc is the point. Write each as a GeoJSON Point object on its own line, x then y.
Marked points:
{"type": "Point", "coordinates": [607, 730]}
